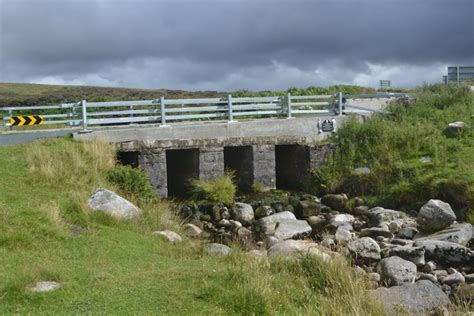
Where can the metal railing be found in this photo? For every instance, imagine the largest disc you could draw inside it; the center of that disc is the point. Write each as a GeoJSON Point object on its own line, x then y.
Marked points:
{"type": "Point", "coordinates": [162, 111]}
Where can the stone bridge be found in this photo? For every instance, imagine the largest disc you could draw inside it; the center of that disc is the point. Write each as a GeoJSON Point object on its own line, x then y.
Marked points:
{"type": "Point", "coordinates": [276, 153]}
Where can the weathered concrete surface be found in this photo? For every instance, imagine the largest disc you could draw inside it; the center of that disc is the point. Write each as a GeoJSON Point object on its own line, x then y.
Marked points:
{"type": "Point", "coordinates": [299, 130]}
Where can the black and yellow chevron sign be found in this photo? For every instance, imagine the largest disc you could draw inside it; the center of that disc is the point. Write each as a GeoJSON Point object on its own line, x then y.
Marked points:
{"type": "Point", "coordinates": [26, 120]}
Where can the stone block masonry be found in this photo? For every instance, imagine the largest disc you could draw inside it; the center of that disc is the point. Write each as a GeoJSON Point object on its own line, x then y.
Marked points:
{"type": "Point", "coordinates": [153, 163]}
{"type": "Point", "coordinates": [211, 162]}
{"type": "Point", "coordinates": [264, 165]}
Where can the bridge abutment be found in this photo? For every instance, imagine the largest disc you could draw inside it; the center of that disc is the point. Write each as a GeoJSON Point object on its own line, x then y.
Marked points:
{"type": "Point", "coordinates": [264, 165]}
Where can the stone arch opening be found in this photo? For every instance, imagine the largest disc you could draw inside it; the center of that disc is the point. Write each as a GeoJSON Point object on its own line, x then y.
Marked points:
{"type": "Point", "coordinates": [182, 165]}
{"type": "Point", "coordinates": [292, 166]}
{"type": "Point", "coordinates": [239, 160]}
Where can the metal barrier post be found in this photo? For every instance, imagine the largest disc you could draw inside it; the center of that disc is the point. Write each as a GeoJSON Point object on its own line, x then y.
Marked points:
{"type": "Point", "coordinates": [84, 117]}
{"type": "Point", "coordinates": [339, 103]}
{"type": "Point", "coordinates": [162, 111]}
{"type": "Point", "coordinates": [10, 114]}
{"type": "Point", "coordinates": [288, 105]}
{"type": "Point", "coordinates": [229, 108]}
{"type": "Point", "coordinates": [73, 115]}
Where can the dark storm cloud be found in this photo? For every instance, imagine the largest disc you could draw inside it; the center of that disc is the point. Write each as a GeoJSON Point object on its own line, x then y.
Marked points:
{"type": "Point", "coordinates": [226, 44]}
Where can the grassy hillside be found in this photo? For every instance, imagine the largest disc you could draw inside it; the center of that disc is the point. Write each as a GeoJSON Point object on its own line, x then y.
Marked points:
{"type": "Point", "coordinates": [20, 94]}
{"type": "Point", "coordinates": [111, 267]}
{"type": "Point", "coordinates": [411, 154]}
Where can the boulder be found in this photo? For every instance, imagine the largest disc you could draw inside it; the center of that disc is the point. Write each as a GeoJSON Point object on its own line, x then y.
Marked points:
{"type": "Point", "coordinates": [453, 278]}
{"type": "Point", "coordinates": [264, 211]}
{"type": "Point", "coordinates": [297, 248]}
{"type": "Point", "coordinates": [106, 201]}
{"type": "Point", "coordinates": [446, 252]}
{"type": "Point", "coordinates": [192, 230]}
{"type": "Point", "coordinates": [337, 202]}
{"type": "Point", "coordinates": [457, 233]}
{"type": "Point", "coordinates": [422, 297]}
{"type": "Point", "coordinates": [258, 253]}
{"type": "Point", "coordinates": [307, 208]}
{"type": "Point", "coordinates": [215, 249]}
{"type": "Point", "coordinates": [168, 235]}
{"type": "Point", "coordinates": [365, 249]}
{"type": "Point", "coordinates": [412, 254]}
{"type": "Point", "coordinates": [266, 225]}
{"type": "Point", "coordinates": [456, 128]}
{"type": "Point", "coordinates": [45, 286]}
{"type": "Point", "coordinates": [317, 223]}
{"type": "Point", "coordinates": [375, 232]}
{"type": "Point", "coordinates": [396, 271]}
{"type": "Point", "coordinates": [243, 213]}
{"type": "Point", "coordinates": [435, 215]}
{"type": "Point", "coordinates": [292, 229]}
{"type": "Point", "coordinates": [342, 220]}
{"type": "Point", "coordinates": [407, 232]}
{"type": "Point", "coordinates": [343, 236]}
{"type": "Point", "coordinates": [381, 217]}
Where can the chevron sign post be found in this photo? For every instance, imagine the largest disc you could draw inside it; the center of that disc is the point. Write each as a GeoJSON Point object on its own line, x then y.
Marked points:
{"type": "Point", "coordinates": [26, 120]}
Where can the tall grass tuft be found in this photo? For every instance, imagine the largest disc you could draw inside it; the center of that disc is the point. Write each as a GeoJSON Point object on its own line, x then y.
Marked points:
{"type": "Point", "coordinates": [221, 189]}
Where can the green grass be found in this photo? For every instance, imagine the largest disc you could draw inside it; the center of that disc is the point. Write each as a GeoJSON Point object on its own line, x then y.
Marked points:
{"type": "Point", "coordinates": [391, 146]}
{"type": "Point", "coordinates": [107, 266]}
{"type": "Point", "coordinates": [221, 189]}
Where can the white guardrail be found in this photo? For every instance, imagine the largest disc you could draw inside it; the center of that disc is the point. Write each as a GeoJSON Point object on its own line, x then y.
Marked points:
{"type": "Point", "coordinates": [84, 114]}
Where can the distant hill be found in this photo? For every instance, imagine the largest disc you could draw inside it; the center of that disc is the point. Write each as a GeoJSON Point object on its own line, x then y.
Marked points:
{"type": "Point", "coordinates": [22, 94]}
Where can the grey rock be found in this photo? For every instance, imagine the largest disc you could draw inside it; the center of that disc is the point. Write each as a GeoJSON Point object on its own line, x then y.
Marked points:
{"type": "Point", "coordinates": [258, 253]}
{"type": "Point", "coordinates": [224, 223]}
{"type": "Point", "coordinates": [440, 273]}
{"type": "Point", "coordinates": [244, 234]}
{"type": "Point", "coordinates": [266, 225]}
{"type": "Point", "coordinates": [307, 208]}
{"type": "Point", "coordinates": [328, 243]}
{"type": "Point", "coordinates": [215, 249]}
{"type": "Point", "coordinates": [362, 170]}
{"type": "Point", "coordinates": [412, 254]}
{"type": "Point", "coordinates": [106, 201]}
{"type": "Point", "coordinates": [374, 277]}
{"type": "Point", "coordinates": [342, 220]}
{"type": "Point", "coordinates": [379, 217]}
{"type": "Point", "coordinates": [263, 211]}
{"type": "Point", "coordinates": [429, 267]}
{"type": "Point", "coordinates": [270, 241]}
{"type": "Point", "coordinates": [343, 236]}
{"type": "Point", "coordinates": [396, 271]}
{"type": "Point", "coordinates": [317, 223]}
{"type": "Point", "coordinates": [292, 229]}
{"type": "Point", "coordinates": [453, 278]}
{"type": "Point", "coordinates": [297, 248]}
{"type": "Point", "coordinates": [457, 127]}
{"type": "Point", "coordinates": [429, 277]}
{"type": "Point", "coordinates": [192, 230]}
{"type": "Point", "coordinates": [235, 224]}
{"type": "Point", "coordinates": [435, 215]}
{"type": "Point", "coordinates": [407, 232]}
{"type": "Point", "coordinates": [168, 235]}
{"type": "Point", "coordinates": [360, 210]}
{"type": "Point", "coordinates": [422, 297]}
{"type": "Point", "coordinates": [243, 213]}
{"type": "Point", "coordinates": [375, 232]}
{"type": "Point", "coordinates": [45, 286]}
{"type": "Point", "coordinates": [402, 242]}
{"type": "Point", "coordinates": [446, 252]}
{"type": "Point", "coordinates": [425, 159]}
{"type": "Point", "coordinates": [457, 233]}
{"type": "Point", "coordinates": [365, 249]}
{"type": "Point", "coordinates": [337, 202]}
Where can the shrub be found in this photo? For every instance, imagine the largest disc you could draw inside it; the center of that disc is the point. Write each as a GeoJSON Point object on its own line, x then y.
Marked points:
{"type": "Point", "coordinates": [221, 189]}
{"type": "Point", "coordinates": [133, 183]}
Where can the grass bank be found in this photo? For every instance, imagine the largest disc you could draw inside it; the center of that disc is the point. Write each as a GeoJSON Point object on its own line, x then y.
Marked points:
{"type": "Point", "coordinates": [411, 155]}
{"type": "Point", "coordinates": [111, 267]}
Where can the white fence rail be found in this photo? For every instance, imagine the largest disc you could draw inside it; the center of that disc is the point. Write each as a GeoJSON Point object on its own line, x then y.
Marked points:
{"type": "Point", "coordinates": [163, 110]}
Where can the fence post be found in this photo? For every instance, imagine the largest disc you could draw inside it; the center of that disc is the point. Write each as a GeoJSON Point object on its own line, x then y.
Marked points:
{"type": "Point", "coordinates": [10, 114]}
{"type": "Point", "coordinates": [339, 103]}
{"type": "Point", "coordinates": [288, 105]}
{"type": "Point", "coordinates": [84, 116]}
{"type": "Point", "coordinates": [162, 111]}
{"type": "Point", "coordinates": [229, 108]}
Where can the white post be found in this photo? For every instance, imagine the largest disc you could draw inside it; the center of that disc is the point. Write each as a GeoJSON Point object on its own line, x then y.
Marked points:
{"type": "Point", "coordinates": [84, 115]}
{"type": "Point", "coordinates": [339, 103]}
{"type": "Point", "coordinates": [288, 105]}
{"type": "Point", "coordinates": [229, 108]}
{"type": "Point", "coordinates": [162, 111]}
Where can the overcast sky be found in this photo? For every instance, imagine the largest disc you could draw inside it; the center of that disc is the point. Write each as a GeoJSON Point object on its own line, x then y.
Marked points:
{"type": "Point", "coordinates": [233, 44]}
